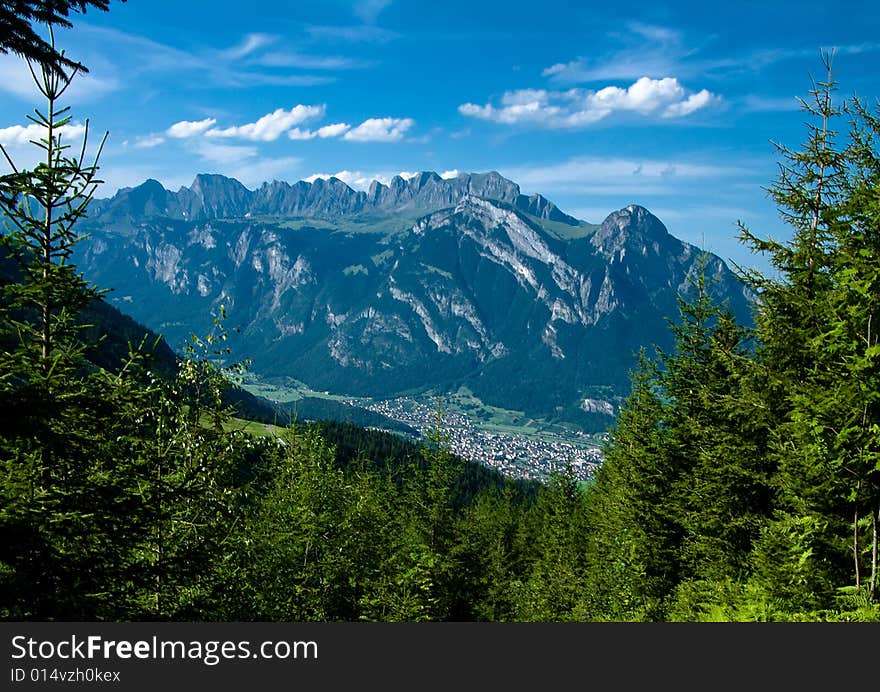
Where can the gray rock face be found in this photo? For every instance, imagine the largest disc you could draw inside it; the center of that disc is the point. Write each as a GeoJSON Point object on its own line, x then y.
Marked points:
{"type": "Point", "coordinates": [475, 292]}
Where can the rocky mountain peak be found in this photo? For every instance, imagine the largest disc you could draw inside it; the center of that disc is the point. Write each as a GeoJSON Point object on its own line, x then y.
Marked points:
{"type": "Point", "coordinates": [631, 226]}
{"type": "Point", "coordinates": [207, 184]}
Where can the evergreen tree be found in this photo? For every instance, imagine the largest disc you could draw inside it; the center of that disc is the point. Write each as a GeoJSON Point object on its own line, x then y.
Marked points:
{"type": "Point", "coordinates": [854, 344]}
{"type": "Point", "coordinates": [50, 408]}
{"type": "Point", "coordinates": [813, 387]}
{"type": "Point", "coordinates": [552, 589]}
{"type": "Point", "coordinates": [115, 487]}
{"type": "Point", "coordinates": [627, 519]}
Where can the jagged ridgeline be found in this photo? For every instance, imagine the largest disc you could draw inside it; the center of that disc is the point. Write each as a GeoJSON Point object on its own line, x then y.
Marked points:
{"type": "Point", "coordinates": [423, 283]}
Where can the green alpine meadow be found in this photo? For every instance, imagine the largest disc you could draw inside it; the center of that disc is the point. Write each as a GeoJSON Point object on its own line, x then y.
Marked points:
{"type": "Point", "coordinates": [300, 402]}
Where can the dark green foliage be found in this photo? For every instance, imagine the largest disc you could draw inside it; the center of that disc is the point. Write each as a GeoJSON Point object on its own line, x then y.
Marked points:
{"type": "Point", "coordinates": [741, 481]}
{"type": "Point", "coordinates": [551, 587]}
{"type": "Point", "coordinates": [630, 527]}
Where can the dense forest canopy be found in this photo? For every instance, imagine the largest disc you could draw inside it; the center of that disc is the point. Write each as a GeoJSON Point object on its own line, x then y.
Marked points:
{"type": "Point", "coordinates": [741, 481]}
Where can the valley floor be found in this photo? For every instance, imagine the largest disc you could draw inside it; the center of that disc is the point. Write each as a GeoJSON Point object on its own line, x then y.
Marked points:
{"type": "Point", "coordinates": [532, 452]}
{"type": "Point", "coordinates": [515, 445]}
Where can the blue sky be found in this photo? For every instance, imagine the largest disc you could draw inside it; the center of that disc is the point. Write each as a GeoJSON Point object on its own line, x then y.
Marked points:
{"type": "Point", "coordinates": [669, 105]}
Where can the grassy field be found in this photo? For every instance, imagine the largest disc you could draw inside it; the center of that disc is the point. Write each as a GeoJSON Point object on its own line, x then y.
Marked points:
{"type": "Point", "coordinates": [288, 391]}
{"type": "Point", "coordinates": [252, 428]}
{"type": "Point", "coordinates": [500, 420]}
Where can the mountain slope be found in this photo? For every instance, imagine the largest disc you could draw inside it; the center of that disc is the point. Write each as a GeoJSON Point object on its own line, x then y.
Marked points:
{"type": "Point", "coordinates": [460, 282]}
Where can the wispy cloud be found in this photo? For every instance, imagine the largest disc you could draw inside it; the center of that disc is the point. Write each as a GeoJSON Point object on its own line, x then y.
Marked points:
{"type": "Point", "coordinates": [645, 49]}
{"type": "Point", "coordinates": [249, 44]}
{"type": "Point", "coordinates": [237, 66]}
{"type": "Point", "coordinates": [856, 48]}
{"type": "Point", "coordinates": [757, 103]}
{"type": "Point", "coordinates": [653, 50]}
{"type": "Point", "coordinates": [16, 79]}
{"type": "Point", "coordinates": [148, 141]}
{"type": "Point", "coordinates": [623, 176]}
{"type": "Point", "coordinates": [654, 32]}
{"type": "Point", "coordinates": [355, 33]}
{"type": "Point", "coordinates": [575, 108]}
{"type": "Point", "coordinates": [369, 10]}
{"type": "Point", "coordinates": [262, 50]}
{"type": "Point", "coordinates": [312, 62]}
{"type": "Point", "coordinates": [223, 154]}
{"type": "Point", "coordinates": [380, 130]}
{"type": "Point", "coordinates": [190, 128]}
{"type": "Point", "coordinates": [272, 125]}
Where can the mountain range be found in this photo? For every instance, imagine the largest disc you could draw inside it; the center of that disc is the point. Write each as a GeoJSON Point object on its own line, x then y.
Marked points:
{"type": "Point", "coordinates": [422, 284]}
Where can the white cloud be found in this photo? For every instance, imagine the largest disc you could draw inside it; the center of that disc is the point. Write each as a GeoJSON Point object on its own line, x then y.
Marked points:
{"type": "Point", "coordinates": [298, 134]}
{"type": "Point", "coordinates": [190, 128]}
{"type": "Point", "coordinates": [18, 135]}
{"type": "Point", "coordinates": [355, 179]}
{"type": "Point", "coordinates": [334, 130]}
{"type": "Point", "coordinates": [693, 102]}
{"type": "Point", "coordinates": [524, 97]}
{"type": "Point", "coordinates": [645, 95]}
{"type": "Point", "coordinates": [579, 107]}
{"type": "Point", "coordinates": [16, 140]}
{"type": "Point", "coordinates": [380, 130]}
{"type": "Point", "coordinates": [537, 112]}
{"type": "Point", "coordinates": [272, 125]}
{"type": "Point", "coordinates": [148, 141]}
{"type": "Point", "coordinates": [447, 175]}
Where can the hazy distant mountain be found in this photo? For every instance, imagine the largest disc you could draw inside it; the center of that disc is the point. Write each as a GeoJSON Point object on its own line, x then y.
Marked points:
{"type": "Point", "coordinates": [425, 282]}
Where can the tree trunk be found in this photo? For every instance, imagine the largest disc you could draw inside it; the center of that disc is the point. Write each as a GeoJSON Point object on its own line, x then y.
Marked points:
{"type": "Point", "coordinates": [875, 519]}
{"type": "Point", "coordinates": [856, 546]}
